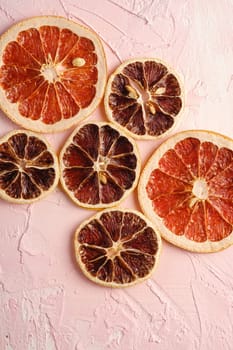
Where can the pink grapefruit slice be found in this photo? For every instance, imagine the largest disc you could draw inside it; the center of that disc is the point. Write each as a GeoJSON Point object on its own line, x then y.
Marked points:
{"type": "Point", "coordinates": [186, 189]}
{"type": "Point", "coordinates": [28, 167]}
{"type": "Point", "coordinates": [52, 73]}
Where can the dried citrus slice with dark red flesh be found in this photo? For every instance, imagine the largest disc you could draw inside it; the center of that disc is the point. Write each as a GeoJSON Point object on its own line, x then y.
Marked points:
{"type": "Point", "coordinates": [99, 165]}
{"type": "Point", "coordinates": [117, 247]}
{"type": "Point", "coordinates": [52, 73]}
{"type": "Point", "coordinates": [144, 97]}
{"type": "Point", "coordinates": [28, 167]}
{"type": "Point", "coordinates": [186, 189]}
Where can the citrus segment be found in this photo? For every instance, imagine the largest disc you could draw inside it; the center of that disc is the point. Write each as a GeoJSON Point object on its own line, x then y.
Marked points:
{"type": "Point", "coordinates": [135, 71]}
{"type": "Point", "coordinates": [178, 218]}
{"type": "Point", "coordinates": [88, 140]}
{"type": "Point", "coordinates": [21, 91]}
{"type": "Point", "coordinates": [76, 176]}
{"type": "Point", "coordinates": [112, 221]}
{"type": "Point", "coordinates": [88, 190]}
{"type": "Point", "coordinates": [131, 224]}
{"type": "Point", "coordinates": [159, 125]}
{"type": "Point", "coordinates": [224, 207]}
{"type": "Point", "coordinates": [144, 97]}
{"type": "Point", "coordinates": [75, 156]}
{"type": "Point", "coordinates": [28, 167]}
{"type": "Point", "coordinates": [109, 191]}
{"type": "Point", "coordinates": [52, 73]}
{"type": "Point", "coordinates": [110, 258]}
{"type": "Point", "coordinates": [99, 165]}
{"type": "Point", "coordinates": [109, 137]}
{"type": "Point", "coordinates": [49, 36]}
{"type": "Point", "coordinates": [15, 54]}
{"type": "Point", "coordinates": [186, 190]}
{"type": "Point", "coordinates": [67, 40]}
{"type": "Point", "coordinates": [154, 72]}
{"type": "Point", "coordinates": [196, 227]}
{"type": "Point", "coordinates": [207, 155]}
{"type": "Point", "coordinates": [51, 112]}
{"type": "Point", "coordinates": [224, 157]}
{"type": "Point", "coordinates": [30, 40]}
{"type": "Point", "coordinates": [172, 165]}
{"type": "Point", "coordinates": [161, 183]}
{"type": "Point", "coordinates": [168, 85]}
{"type": "Point", "coordinates": [32, 106]}
{"type": "Point", "coordinates": [164, 204]}
{"type": "Point", "coordinates": [188, 151]}
{"type": "Point", "coordinates": [66, 102]}
{"type": "Point", "coordinates": [217, 228]}
{"type": "Point", "coordinates": [11, 75]}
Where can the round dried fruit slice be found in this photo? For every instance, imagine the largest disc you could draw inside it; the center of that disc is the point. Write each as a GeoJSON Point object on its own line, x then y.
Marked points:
{"type": "Point", "coordinates": [99, 165]}
{"type": "Point", "coordinates": [28, 167]}
{"type": "Point", "coordinates": [52, 73]}
{"type": "Point", "coordinates": [186, 189]}
{"type": "Point", "coordinates": [117, 247]}
{"type": "Point", "coordinates": [144, 97]}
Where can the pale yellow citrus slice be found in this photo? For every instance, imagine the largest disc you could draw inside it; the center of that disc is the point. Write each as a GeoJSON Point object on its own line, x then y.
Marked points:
{"type": "Point", "coordinates": [144, 97]}
{"type": "Point", "coordinates": [186, 189]}
{"type": "Point", "coordinates": [99, 165]}
{"type": "Point", "coordinates": [52, 73]}
{"type": "Point", "coordinates": [117, 247]}
{"type": "Point", "coordinates": [28, 167]}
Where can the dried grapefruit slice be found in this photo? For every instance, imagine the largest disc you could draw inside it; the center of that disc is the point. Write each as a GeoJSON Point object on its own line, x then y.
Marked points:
{"type": "Point", "coordinates": [144, 97]}
{"type": "Point", "coordinates": [28, 167]}
{"type": "Point", "coordinates": [99, 165]}
{"type": "Point", "coordinates": [117, 247]}
{"type": "Point", "coordinates": [186, 189]}
{"type": "Point", "coordinates": [52, 73]}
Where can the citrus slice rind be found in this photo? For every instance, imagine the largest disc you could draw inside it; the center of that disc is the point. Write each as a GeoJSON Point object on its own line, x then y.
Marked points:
{"type": "Point", "coordinates": [52, 73]}
{"type": "Point", "coordinates": [144, 97]}
{"type": "Point", "coordinates": [28, 167]}
{"type": "Point", "coordinates": [99, 165]}
{"type": "Point", "coordinates": [185, 189]}
{"type": "Point", "coordinates": [117, 247]}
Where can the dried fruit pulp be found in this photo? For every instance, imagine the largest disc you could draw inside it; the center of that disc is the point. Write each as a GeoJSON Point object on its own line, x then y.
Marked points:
{"type": "Point", "coordinates": [117, 247]}
{"type": "Point", "coordinates": [144, 97]}
{"type": "Point", "coordinates": [186, 189]}
{"type": "Point", "coordinates": [99, 165]}
{"type": "Point", "coordinates": [28, 167]}
{"type": "Point", "coordinates": [52, 73]}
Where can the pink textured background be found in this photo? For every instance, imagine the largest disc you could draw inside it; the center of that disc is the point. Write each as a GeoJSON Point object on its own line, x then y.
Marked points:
{"type": "Point", "coordinates": [45, 302]}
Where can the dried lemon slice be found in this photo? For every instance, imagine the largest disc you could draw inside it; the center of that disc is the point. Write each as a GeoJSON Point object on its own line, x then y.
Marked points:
{"type": "Point", "coordinates": [28, 167]}
{"type": "Point", "coordinates": [144, 97]}
{"type": "Point", "coordinates": [99, 165]}
{"type": "Point", "coordinates": [117, 248]}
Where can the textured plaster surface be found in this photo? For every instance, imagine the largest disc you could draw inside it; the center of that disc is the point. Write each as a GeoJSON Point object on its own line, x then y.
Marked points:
{"type": "Point", "coordinates": [45, 302]}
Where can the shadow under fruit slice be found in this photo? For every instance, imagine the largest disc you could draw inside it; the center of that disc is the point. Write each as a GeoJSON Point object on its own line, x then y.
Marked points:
{"type": "Point", "coordinates": [117, 248]}
{"type": "Point", "coordinates": [99, 165]}
{"type": "Point", "coordinates": [144, 97]}
{"type": "Point", "coordinates": [52, 73]}
{"type": "Point", "coordinates": [186, 189]}
{"type": "Point", "coordinates": [28, 167]}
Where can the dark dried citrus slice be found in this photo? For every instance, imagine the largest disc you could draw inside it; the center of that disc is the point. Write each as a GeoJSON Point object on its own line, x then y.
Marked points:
{"type": "Point", "coordinates": [186, 189]}
{"type": "Point", "coordinates": [28, 167]}
{"type": "Point", "coordinates": [99, 165]}
{"type": "Point", "coordinates": [144, 97]}
{"type": "Point", "coordinates": [117, 247]}
{"type": "Point", "coordinates": [52, 73]}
